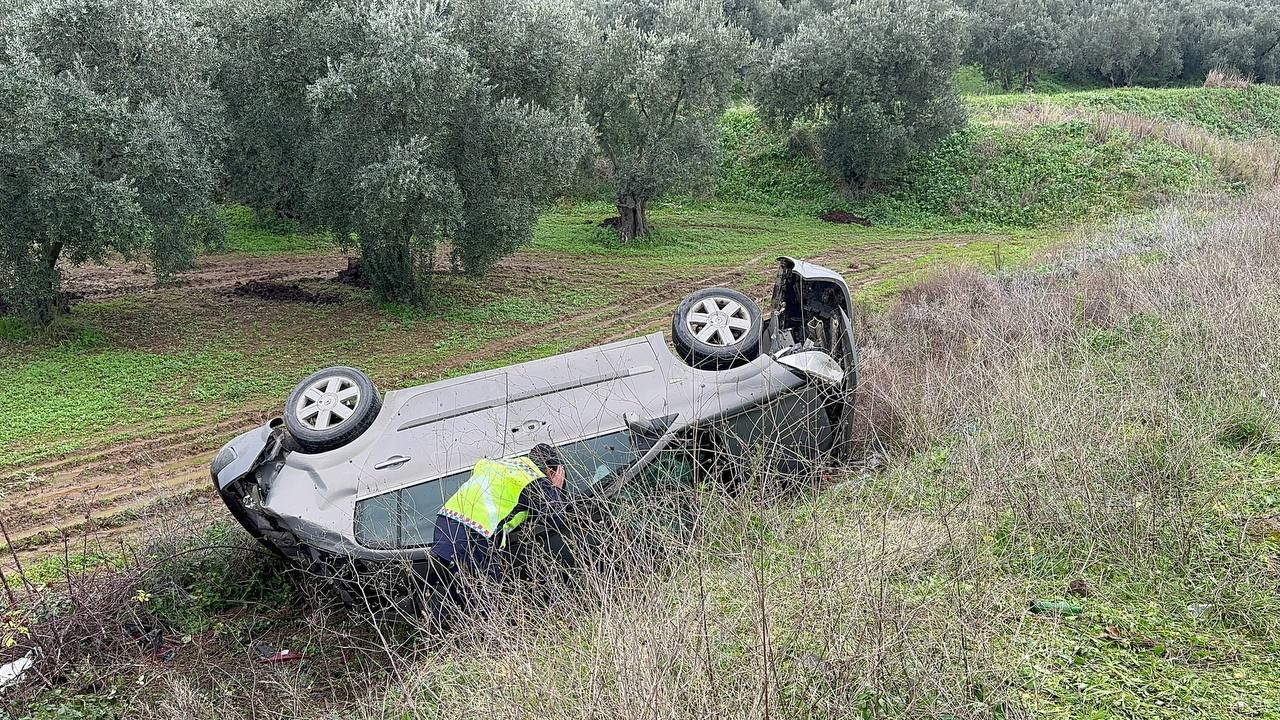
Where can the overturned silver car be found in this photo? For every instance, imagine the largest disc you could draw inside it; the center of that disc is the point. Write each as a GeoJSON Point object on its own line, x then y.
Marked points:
{"type": "Point", "coordinates": [347, 475]}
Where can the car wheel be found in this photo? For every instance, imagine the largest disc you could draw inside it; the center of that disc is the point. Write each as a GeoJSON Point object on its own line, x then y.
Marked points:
{"type": "Point", "coordinates": [331, 408]}
{"type": "Point", "coordinates": [717, 328]}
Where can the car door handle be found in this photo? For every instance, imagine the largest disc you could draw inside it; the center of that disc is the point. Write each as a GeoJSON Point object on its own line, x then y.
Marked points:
{"type": "Point", "coordinates": [393, 461]}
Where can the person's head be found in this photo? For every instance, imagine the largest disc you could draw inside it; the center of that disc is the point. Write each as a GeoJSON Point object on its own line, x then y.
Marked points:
{"type": "Point", "coordinates": [548, 461]}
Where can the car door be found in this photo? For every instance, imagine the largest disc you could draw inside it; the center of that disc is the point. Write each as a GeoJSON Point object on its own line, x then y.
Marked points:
{"type": "Point", "coordinates": [435, 434]}
{"type": "Point", "coordinates": [567, 397]}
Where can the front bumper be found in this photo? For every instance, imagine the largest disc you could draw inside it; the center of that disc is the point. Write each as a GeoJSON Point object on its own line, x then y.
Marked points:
{"type": "Point", "coordinates": [242, 471]}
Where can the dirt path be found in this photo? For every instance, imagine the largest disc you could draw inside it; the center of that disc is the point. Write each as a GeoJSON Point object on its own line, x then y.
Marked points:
{"type": "Point", "coordinates": [215, 272]}
{"type": "Point", "coordinates": [110, 490]}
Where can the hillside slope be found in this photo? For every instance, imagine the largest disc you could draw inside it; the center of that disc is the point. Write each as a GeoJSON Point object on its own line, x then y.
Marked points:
{"type": "Point", "coordinates": [1093, 155]}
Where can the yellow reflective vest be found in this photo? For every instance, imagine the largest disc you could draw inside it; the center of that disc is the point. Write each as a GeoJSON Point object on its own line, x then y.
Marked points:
{"type": "Point", "coordinates": [486, 500]}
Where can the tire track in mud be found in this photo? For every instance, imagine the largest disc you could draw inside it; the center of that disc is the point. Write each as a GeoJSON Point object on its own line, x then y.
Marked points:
{"type": "Point", "coordinates": [105, 282]}
{"type": "Point", "coordinates": [100, 490]}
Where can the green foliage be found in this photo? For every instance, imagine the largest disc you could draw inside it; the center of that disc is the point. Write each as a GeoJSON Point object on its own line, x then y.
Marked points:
{"type": "Point", "coordinates": [259, 233]}
{"type": "Point", "coordinates": [437, 140]}
{"type": "Point", "coordinates": [15, 330]}
{"type": "Point", "coordinates": [1011, 39]}
{"type": "Point", "coordinates": [108, 134]}
{"type": "Point", "coordinates": [758, 170]}
{"type": "Point", "coordinates": [55, 568]}
{"type": "Point", "coordinates": [417, 154]}
{"type": "Point", "coordinates": [1240, 114]}
{"type": "Point", "coordinates": [1122, 40]}
{"type": "Point", "coordinates": [660, 75]}
{"type": "Point", "coordinates": [874, 80]}
{"type": "Point", "coordinates": [194, 580]}
{"type": "Point", "coordinates": [60, 704]}
{"type": "Point", "coordinates": [271, 51]}
{"type": "Point", "coordinates": [1240, 35]}
{"type": "Point", "coordinates": [989, 176]}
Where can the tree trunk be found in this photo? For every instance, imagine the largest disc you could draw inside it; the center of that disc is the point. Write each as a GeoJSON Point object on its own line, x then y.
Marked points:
{"type": "Point", "coordinates": [633, 217]}
{"type": "Point", "coordinates": [45, 287]}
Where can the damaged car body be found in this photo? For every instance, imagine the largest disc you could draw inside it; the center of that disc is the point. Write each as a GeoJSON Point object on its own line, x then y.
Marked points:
{"type": "Point", "coordinates": [350, 477]}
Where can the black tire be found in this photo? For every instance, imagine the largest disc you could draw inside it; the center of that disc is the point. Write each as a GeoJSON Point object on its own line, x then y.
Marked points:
{"type": "Point", "coordinates": [303, 413]}
{"type": "Point", "coordinates": [726, 351]}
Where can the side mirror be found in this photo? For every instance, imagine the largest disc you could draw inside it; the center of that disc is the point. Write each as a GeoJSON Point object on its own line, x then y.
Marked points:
{"type": "Point", "coordinates": [646, 427]}
{"type": "Point", "coordinates": [814, 365]}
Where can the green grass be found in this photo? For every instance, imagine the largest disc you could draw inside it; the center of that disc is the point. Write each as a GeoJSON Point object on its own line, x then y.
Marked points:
{"type": "Point", "coordinates": [250, 233]}
{"type": "Point", "coordinates": [1240, 114]}
{"type": "Point", "coordinates": [989, 177]}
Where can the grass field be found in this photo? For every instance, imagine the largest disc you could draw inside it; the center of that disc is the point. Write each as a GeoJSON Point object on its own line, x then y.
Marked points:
{"type": "Point", "coordinates": [1057, 415]}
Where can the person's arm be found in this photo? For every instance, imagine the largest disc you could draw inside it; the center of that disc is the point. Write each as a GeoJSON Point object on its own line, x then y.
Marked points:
{"type": "Point", "coordinates": [547, 500]}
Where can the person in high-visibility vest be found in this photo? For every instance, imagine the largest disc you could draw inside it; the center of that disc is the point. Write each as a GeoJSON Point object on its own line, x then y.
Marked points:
{"type": "Point", "coordinates": [472, 527]}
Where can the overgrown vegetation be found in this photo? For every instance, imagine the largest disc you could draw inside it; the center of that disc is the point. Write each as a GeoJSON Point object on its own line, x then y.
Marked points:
{"type": "Point", "coordinates": [1136, 513]}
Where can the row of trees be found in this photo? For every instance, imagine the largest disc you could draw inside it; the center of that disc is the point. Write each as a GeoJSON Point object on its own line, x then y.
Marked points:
{"type": "Point", "coordinates": [436, 132]}
{"type": "Point", "coordinates": [1122, 42]}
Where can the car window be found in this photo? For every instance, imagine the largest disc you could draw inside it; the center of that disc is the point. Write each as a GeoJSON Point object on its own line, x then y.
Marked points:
{"type": "Point", "coordinates": [661, 498]}
{"type": "Point", "coordinates": [377, 525]}
{"type": "Point", "coordinates": [406, 518]}
{"type": "Point", "coordinates": [420, 504]}
{"type": "Point", "coordinates": [587, 462]}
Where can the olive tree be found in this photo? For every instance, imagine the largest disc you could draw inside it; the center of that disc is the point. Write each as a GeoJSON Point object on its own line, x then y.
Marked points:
{"type": "Point", "coordinates": [1120, 41]}
{"type": "Point", "coordinates": [271, 52]}
{"type": "Point", "coordinates": [425, 152]}
{"type": "Point", "coordinates": [873, 78]}
{"type": "Point", "coordinates": [108, 137]}
{"type": "Point", "coordinates": [1011, 39]}
{"type": "Point", "coordinates": [659, 77]}
{"type": "Point", "coordinates": [1243, 35]}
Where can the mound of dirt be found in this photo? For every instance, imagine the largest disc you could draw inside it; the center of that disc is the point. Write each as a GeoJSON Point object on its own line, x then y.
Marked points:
{"type": "Point", "coordinates": [286, 292]}
{"type": "Point", "coordinates": [844, 218]}
{"type": "Point", "coordinates": [354, 274]}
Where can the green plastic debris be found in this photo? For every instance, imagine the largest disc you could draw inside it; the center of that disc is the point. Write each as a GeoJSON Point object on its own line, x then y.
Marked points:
{"type": "Point", "coordinates": [1055, 607]}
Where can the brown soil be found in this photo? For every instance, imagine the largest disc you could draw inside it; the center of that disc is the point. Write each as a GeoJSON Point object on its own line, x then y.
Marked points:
{"type": "Point", "coordinates": [353, 274]}
{"type": "Point", "coordinates": [216, 272]}
{"type": "Point", "coordinates": [844, 218]}
{"type": "Point", "coordinates": [286, 292]}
